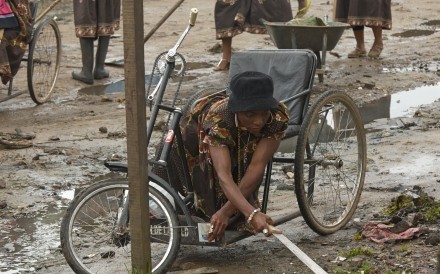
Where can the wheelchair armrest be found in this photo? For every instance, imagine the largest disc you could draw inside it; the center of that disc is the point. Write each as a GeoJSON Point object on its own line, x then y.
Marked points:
{"type": "Point", "coordinates": [117, 166]}
{"type": "Point", "coordinates": [292, 131]}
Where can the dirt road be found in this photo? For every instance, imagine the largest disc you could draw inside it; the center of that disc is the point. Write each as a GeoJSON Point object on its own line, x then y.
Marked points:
{"type": "Point", "coordinates": [398, 96]}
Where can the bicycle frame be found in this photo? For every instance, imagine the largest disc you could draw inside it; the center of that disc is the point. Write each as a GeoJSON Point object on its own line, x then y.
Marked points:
{"type": "Point", "coordinates": [173, 133]}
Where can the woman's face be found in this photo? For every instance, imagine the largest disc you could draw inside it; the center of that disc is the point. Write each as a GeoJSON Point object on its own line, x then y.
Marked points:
{"type": "Point", "coordinates": [253, 120]}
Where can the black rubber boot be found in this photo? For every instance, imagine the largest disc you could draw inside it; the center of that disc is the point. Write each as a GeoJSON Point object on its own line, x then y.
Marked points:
{"type": "Point", "coordinates": [101, 53]}
{"type": "Point", "coordinates": [85, 75]}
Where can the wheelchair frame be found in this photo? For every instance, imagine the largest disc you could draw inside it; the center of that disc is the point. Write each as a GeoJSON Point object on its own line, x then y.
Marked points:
{"type": "Point", "coordinates": [43, 57]}
{"type": "Point", "coordinates": [321, 152]}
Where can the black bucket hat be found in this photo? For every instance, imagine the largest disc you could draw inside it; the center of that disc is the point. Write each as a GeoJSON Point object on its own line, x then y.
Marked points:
{"type": "Point", "coordinates": [251, 90]}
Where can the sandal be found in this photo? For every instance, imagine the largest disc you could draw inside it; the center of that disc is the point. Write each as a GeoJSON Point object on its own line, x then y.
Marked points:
{"type": "Point", "coordinates": [375, 52]}
{"type": "Point", "coordinates": [356, 53]}
{"type": "Point", "coordinates": [222, 65]}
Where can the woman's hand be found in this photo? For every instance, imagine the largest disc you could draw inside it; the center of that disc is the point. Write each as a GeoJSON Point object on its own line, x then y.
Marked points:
{"type": "Point", "coordinates": [261, 221]}
{"type": "Point", "coordinates": [219, 222]}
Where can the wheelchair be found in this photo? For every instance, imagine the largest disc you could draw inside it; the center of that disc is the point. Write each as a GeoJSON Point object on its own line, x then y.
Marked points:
{"type": "Point", "coordinates": [42, 59]}
{"type": "Point", "coordinates": [324, 145]}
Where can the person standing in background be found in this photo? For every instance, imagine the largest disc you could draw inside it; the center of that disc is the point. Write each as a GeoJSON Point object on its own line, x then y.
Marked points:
{"type": "Point", "coordinates": [94, 20]}
{"type": "Point", "coordinates": [375, 14]}
{"type": "Point", "coordinates": [232, 17]}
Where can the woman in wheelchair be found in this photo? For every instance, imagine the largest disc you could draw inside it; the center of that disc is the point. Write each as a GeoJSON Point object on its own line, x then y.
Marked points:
{"type": "Point", "coordinates": [228, 142]}
{"type": "Point", "coordinates": [15, 35]}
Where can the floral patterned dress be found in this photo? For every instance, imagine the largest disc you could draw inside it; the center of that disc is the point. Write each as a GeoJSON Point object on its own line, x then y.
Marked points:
{"type": "Point", "coordinates": [215, 125]}
{"type": "Point", "coordinates": [15, 39]}
{"type": "Point", "coordinates": [96, 18]}
{"type": "Point", "coordinates": [232, 17]}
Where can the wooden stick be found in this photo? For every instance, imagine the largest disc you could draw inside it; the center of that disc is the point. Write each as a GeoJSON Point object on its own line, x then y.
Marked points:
{"type": "Point", "coordinates": [296, 251]}
{"type": "Point", "coordinates": [162, 20]}
{"type": "Point", "coordinates": [49, 8]}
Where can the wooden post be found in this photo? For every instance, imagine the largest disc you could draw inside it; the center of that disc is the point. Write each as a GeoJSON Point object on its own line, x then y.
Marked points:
{"type": "Point", "coordinates": [136, 135]}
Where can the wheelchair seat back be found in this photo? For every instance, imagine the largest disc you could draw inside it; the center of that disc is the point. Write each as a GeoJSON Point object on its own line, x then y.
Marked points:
{"type": "Point", "coordinates": [292, 71]}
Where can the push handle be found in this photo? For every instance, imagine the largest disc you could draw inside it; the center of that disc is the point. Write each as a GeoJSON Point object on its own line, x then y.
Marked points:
{"type": "Point", "coordinates": [192, 20]}
{"type": "Point", "coordinates": [193, 16]}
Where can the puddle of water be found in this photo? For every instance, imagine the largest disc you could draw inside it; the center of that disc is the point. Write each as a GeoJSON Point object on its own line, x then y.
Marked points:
{"type": "Point", "coordinates": [113, 87]}
{"type": "Point", "coordinates": [68, 194]}
{"type": "Point", "coordinates": [404, 104]}
{"type": "Point", "coordinates": [432, 23]}
{"type": "Point", "coordinates": [421, 164]}
{"type": "Point", "coordinates": [25, 239]}
{"type": "Point", "coordinates": [197, 65]}
{"type": "Point", "coordinates": [413, 33]}
{"type": "Point", "coordinates": [119, 86]}
{"type": "Point", "coordinates": [426, 67]}
{"type": "Point", "coordinates": [401, 104]}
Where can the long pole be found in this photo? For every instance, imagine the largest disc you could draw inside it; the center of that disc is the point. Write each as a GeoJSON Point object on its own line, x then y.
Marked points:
{"type": "Point", "coordinates": [49, 8]}
{"type": "Point", "coordinates": [162, 20]}
{"type": "Point", "coordinates": [133, 30]}
{"type": "Point", "coordinates": [298, 252]}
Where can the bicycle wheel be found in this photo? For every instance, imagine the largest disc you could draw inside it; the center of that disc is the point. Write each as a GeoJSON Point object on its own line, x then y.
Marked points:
{"type": "Point", "coordinates": [330, 162]}
{"type": "Point", "coordinates": [92, 242]}
{"type": "Point", "coordinates": [44, 60]}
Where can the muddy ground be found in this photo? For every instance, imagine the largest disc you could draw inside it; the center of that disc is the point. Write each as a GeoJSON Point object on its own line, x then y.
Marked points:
{"type": "Point", "coordinates": [397, 93]}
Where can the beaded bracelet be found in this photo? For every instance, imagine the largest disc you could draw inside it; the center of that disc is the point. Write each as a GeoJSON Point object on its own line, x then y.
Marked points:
{"type": "Point", "coordinates": [251, 216]}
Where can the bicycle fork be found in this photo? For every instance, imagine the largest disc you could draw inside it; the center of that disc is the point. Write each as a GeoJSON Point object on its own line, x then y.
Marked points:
{"type": "Point", "coordinates": [120, 233]}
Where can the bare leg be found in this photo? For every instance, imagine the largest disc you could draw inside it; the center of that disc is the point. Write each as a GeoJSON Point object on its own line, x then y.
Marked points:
{"type": "Point", "coordinates": [301, 4]}
{"type": "Point", "coordinates": [359, 51]}
{"type": "Point", "coordinates": [360, 40]}
{"type": "Point", "coordinates": [378, 42]}
{"type": "Point", "coordinates": [377, 47]}
{"type": "Point", "coordinates": [226, 55]}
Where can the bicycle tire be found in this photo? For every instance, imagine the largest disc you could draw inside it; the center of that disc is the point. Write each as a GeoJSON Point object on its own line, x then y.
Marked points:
{"type": "Point", "coordinates": [44, 60]}
{"type": "Point", "coordinates": [330, 162]}
{"type": "Point", "coordinates": [88, 239]}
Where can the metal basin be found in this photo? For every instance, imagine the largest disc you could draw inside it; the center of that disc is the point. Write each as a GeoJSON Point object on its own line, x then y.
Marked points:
{"type": "Point", "coordinates": [316, 38]}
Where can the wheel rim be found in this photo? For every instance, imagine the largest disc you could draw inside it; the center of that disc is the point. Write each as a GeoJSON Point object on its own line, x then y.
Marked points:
{"type": "Point", "coordinates": [45, 62]}
{"type": "Point", "coordinates": [100, 248]}
{"type": "Point", "coordinates": [335, 163]}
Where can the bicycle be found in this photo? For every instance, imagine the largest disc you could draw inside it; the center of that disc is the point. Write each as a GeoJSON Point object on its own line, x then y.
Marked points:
{"type": "Point", "coordinates": [43, 57]}
{"type": "Point", "coordinates": [326, 137]}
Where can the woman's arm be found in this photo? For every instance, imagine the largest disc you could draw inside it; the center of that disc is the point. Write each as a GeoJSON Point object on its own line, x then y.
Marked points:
{"type": "Point", "coordinates": [237, 195]}
{"type": "Point", "coordinates": [221, 160]}
{"type": "Point", "coordinates": [254, 173]}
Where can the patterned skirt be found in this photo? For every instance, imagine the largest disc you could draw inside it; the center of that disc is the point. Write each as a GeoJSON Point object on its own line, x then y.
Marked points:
{"type": "Point", "coordinates": [370, 13]}
{"type": "Point", "coordinates": [232, 17]}
{"type": "Point", "coordinates": [96, 18]}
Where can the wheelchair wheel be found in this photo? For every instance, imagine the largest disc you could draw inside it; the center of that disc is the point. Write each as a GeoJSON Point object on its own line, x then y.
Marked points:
{"type": "Point", "coordinates": [330, 162]}
{"type": "Point", "coordinates": [91, 241]}
{"type": "Point", "coordinates": [196, 97]}
{"type": "Point", "coordinates": [44, 60]}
